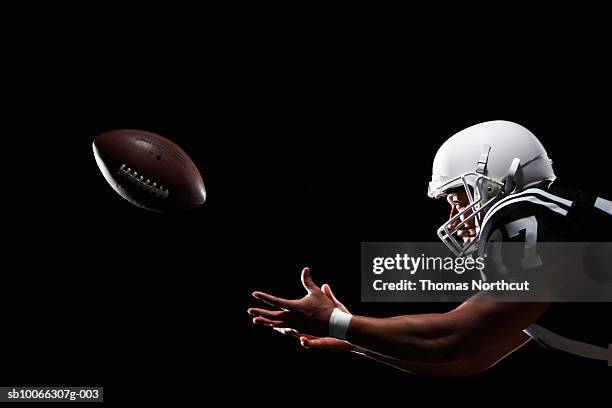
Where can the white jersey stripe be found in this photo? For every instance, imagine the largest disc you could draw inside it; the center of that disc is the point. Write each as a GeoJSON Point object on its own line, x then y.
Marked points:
{"type": "Point", "coordinates": [531, 199]}
{"type": "Point", "coordinates": [543, 193]}
{"type": "Point", "coordinates": [604, 205]}
{"type": "Point", "coordinates": [546, 194]}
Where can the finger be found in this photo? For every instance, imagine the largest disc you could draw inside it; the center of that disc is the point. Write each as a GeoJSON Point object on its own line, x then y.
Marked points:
{"type": "Point", "coordinates": [311, 342]}
{"type": "Point", "coordinates": [273, 300]}
{"type": "Point", "coordinates": [309, 285]}
{"type": "Point", "coordinates": [270, 314]}
{"type": "Point", "coordinates": [268, 322]}
{"type": "Point", "coordinates": [308, 336]}
{"type": "Point", "coordinates": [326, 343]}
{"type": "Point", "coordinates": [305, 342]}
{"type": "Point", "coordinates": [328, 292]}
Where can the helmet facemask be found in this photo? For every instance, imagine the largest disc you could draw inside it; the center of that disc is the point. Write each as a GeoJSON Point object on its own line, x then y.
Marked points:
{"type": "Point", "coordinates": [485, 191]}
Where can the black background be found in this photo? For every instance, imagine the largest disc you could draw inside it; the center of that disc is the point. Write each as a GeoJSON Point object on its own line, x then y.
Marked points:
{"type": "Point", "coordinates": [308, 144]}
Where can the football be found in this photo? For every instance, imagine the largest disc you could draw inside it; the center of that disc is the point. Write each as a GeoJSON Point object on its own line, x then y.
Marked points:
{"type": "Point", "coordinates": [149, 170]}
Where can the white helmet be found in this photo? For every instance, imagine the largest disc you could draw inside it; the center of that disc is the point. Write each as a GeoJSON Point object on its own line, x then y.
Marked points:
{"type": "Point", "coordinates": [490, 160]}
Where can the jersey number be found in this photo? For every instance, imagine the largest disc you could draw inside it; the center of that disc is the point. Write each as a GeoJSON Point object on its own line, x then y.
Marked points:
{"type": "Point", "coordinates": [531, 258]}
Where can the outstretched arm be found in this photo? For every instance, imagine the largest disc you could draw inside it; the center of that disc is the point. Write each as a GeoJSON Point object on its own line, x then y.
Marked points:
{"type": "Point", "coordinates": [469, 364]}
{"type": "Point", "coordinates": [427, 338]}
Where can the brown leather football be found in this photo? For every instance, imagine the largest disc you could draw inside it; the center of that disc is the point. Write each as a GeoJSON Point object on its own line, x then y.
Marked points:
{"type": "Point", "coordinates": [149, 170]}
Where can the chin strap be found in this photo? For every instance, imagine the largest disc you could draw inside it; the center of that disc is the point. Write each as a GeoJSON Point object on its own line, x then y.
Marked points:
{"type": "Point", "coordinates": [576, 347]}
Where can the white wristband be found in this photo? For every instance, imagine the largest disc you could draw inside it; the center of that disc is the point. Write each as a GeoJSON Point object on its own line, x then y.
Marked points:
{"type": "Point", "coordinates": [339, 323]}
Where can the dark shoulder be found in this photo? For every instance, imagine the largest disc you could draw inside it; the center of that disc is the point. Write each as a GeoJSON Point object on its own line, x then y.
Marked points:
{"type": "Point", "coordinates": [535, 212]}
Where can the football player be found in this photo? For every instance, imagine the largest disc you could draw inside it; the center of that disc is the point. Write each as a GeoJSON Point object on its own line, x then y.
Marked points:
{"type": "Point", "coordinates": [500, 184]}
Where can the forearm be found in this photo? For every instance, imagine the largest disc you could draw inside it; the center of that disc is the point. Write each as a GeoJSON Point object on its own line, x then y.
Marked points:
{"type": "Point", "coordinates": [447, 337]}
{"type": "Point", "coordinates": [426, 338]}
{"type": "Point", "coordinates": [469, 365]}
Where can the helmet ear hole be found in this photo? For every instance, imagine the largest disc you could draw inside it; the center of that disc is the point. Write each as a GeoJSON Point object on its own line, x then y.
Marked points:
{"type": "Point", "coordinates": [492, 189]}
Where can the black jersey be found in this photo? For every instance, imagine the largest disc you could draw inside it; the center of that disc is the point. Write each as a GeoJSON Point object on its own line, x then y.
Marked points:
{"type": "Point", "coordinates": [562, 215]}
{"type": "Point", "coordinates": [548, 213]}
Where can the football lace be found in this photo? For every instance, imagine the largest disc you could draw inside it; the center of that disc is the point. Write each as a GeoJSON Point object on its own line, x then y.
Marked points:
{"type": "Point", "coordinates": [143, 182]}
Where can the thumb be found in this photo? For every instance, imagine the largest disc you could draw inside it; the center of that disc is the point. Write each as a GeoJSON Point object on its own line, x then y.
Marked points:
{"type": "Point", "coordinates": [309, 285]}
{"type": "Point", "coordinates": [326, 343]}
{"type": "Point", "coordinates": [328, 292]}
{"type": "Point", "coordinates": [310, 342]}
